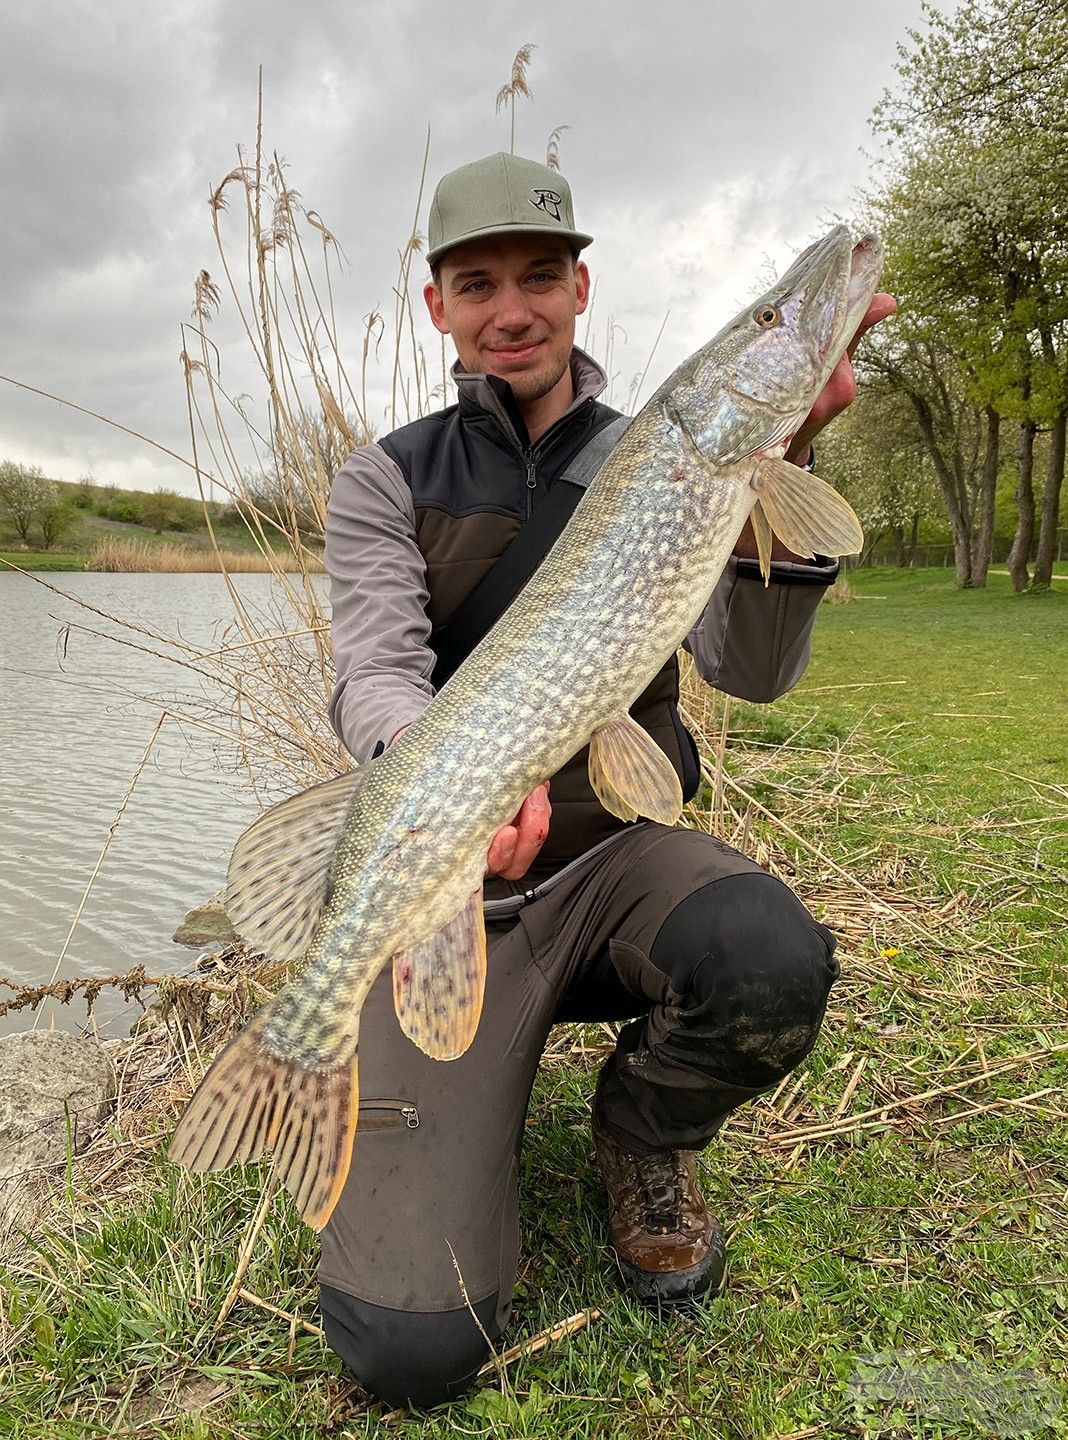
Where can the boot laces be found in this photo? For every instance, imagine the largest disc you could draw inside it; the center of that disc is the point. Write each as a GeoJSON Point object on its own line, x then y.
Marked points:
{"type": "Point", "coordinates": [660, 1179]}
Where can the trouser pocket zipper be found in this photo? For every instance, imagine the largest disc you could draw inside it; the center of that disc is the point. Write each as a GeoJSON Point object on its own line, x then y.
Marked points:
{"type": "Point", "coordinates": [387, 1115]}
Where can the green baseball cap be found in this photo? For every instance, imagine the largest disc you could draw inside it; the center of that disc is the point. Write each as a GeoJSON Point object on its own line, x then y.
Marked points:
{"type": "Point", "coordinates": [500, 195]}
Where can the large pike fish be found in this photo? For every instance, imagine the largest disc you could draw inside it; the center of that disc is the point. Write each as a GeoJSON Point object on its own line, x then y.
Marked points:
{"type": "Point", "coordinates": [386, 864]}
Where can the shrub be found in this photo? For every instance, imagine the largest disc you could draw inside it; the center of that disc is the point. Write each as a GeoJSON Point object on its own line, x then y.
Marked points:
{"type": "Point", "coordinates": [124, 508]}
{"type": "Point", "coordinates": [55, 521]}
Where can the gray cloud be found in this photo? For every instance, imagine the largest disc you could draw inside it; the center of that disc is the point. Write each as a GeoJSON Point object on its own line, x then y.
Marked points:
{"type": "Point", "coordinates": [705, 140]}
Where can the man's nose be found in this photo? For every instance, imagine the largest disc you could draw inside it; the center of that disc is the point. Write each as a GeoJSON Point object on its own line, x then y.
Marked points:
{"type": "Point", "coordinates": [513, 308]}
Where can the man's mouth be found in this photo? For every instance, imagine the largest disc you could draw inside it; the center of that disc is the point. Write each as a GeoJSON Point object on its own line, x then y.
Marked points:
{"type": "Point", "coordinates": [514, 354]}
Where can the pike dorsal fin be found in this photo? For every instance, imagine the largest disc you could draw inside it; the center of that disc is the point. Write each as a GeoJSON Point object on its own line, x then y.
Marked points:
{"type": "Point", "coordinates": [439, 984]}
{"type": "Point", "coordinates": [808, 516]}
{"type": "Point", "coordinates": [278, 879]}
{"type": "Point", "coordinates": [631, 775]}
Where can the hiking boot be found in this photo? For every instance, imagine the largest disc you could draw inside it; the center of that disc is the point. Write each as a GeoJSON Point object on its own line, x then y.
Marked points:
{"type": "Point", "coordinates": [669, 1248]}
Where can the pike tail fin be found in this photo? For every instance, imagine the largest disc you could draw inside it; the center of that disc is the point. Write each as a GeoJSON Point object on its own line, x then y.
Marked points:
{"type": "Point", "coordinates": [807, 515]}
{"type": "Point", "coordinates": [253, 1099]}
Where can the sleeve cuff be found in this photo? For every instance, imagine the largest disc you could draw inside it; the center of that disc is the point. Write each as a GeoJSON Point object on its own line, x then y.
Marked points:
{"type": "Point", "coordinates": [821, 571]}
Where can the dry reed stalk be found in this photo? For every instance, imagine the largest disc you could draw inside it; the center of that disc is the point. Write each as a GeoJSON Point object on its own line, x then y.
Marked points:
{"type": "Point", "coordinates": [120, 556]}
{"type": "Point", "coordinates": [294, 1320]}
{"type": "Point", "coordinates": [495, 1363]}
{"type": "Point", "coordinates": [537, 1343]}
{"type": "Point", "coordinates": [248, 1249]}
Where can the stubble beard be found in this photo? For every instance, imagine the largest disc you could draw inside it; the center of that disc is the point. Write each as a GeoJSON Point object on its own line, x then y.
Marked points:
{"type": "Point", "coordinates": [527, 388]}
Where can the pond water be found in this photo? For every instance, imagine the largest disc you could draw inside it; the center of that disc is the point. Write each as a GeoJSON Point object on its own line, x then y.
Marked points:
{"type": "Point", "coordinates": [76, 713]}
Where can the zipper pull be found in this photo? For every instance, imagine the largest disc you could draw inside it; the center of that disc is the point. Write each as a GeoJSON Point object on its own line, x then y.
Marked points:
{"type": "Point", "coordinates": [411, 1117]}
{"type": "Point", "coordinates": [532, 474]}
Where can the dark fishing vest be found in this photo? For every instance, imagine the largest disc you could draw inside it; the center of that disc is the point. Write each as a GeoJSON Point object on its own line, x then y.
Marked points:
{"type": "Point", "coordinates": [475, 479]}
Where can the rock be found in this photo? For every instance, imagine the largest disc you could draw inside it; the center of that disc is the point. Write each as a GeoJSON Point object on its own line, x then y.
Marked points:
{"type": "Point", "coordinates": [48, 1080]}
{"type": "Point", "coordinates": [207, 924]}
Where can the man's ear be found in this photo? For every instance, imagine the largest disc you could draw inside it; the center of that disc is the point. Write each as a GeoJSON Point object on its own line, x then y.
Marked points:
{"type": "Point", "coordinates": [436, 306]}
{"type": "Point", "coordinates": [582, 286]}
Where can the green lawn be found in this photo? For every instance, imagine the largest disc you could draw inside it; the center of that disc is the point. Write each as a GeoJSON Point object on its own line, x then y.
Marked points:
{"type": "Point", "coordinates": [42, 559]}
{"type": "Point", "coordinates": [902, 1196]}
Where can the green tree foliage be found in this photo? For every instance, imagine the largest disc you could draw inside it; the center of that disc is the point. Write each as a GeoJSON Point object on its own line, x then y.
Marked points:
{"type": "Point", "coordinates": [124, 507]}
{"type": "Point", "coordinates": [975, 211]}
{"type": "Point", "coordinates": [162, 510]}
{"type": "Point", "coordinates": [56, 521]}
{"type": "Point", "coordinates": [876, 456]}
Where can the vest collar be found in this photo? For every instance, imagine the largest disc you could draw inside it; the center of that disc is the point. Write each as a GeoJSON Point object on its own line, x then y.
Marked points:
{"type": "Point", "coordinates": [493, 395]}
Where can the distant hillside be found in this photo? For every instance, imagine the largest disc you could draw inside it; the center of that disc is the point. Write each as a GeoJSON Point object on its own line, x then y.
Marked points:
{"type": "Point", "coordinates": [97, 521]}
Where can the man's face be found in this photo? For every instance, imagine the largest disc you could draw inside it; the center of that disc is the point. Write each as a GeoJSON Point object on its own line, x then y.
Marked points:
{"type": "Point", "coordinates": [509, 302]}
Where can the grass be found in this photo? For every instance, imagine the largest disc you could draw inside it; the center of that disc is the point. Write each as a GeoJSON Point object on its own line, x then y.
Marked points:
{"type": "Point", "coordinates": [902, 1192]}
{"type": "Point", "coordinates": [42, 559]}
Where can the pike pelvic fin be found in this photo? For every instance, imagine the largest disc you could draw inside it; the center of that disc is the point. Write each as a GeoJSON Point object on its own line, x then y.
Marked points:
{"type": "Point", "coordinates": [631, 775]}
{"type": "Point", "coordinates": [278, 880]}
{"type": "Point", "coordinates": [253, 1099]}
{"type": "Point", "coordinates": [807, 515]}
{"type": "Point", "coordinates": [438, 986]}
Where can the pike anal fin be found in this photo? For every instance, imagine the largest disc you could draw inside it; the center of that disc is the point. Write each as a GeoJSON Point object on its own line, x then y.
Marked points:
{"type": "Point", "coordinates": [631, 775]}
{"type": "Point", "coordinates": [438, 985]}
{"type": "Point", "coordinates": [808, 516]}
{"type": "Point", "coordinates": [253, 1100]}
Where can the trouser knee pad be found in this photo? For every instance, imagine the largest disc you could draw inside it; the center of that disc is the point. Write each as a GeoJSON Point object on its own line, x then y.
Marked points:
{"type": "Point", "coordinates": [755, 969]}
{"type": "Point", "coordinates": [406, 1358]}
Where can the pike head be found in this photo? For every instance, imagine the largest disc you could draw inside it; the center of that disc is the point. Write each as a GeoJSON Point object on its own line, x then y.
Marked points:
{"type": "Point", "coordinates": [748, 390]}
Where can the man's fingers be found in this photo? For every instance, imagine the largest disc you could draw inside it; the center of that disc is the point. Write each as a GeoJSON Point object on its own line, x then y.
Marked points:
{"type": "Point", "coordinates": [532, 823]}
{"type": "Point", "coordinates": [881, 306]}
{"type": "Point", "coordinates": [530, 828]}
{"type": "Point", "coordinates": [502, 850]}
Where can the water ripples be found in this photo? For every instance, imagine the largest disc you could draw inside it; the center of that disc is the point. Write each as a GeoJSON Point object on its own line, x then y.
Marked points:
{"type": "Point", "coordinates": [72, 731]}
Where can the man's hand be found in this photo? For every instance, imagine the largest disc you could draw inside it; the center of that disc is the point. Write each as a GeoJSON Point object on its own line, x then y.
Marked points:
{"type": "Point", "coordinates": [514, 847]}
{"type": "Point", "coordinates": [841, 389]}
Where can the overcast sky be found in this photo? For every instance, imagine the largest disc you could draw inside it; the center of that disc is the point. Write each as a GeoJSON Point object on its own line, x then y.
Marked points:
{"type": "Point", "coordinates": [707, 140]}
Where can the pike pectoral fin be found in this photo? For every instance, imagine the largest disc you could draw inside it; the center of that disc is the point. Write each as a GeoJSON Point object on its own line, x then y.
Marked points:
{"type": "Point", "coordinates": [253, 1099]}
{"type": "Point", "coordinates": [278, 879]}
{"type": "Point", "coordinates": [438, 986]}
{"type": "Point", "coordinates": [631, 775]}
{"type": "Point", "coordinates": [807, 515]}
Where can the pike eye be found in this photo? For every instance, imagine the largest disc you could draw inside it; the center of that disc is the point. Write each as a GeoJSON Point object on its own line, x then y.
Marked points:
{"type": "Point", "coordinates": [768, 316]}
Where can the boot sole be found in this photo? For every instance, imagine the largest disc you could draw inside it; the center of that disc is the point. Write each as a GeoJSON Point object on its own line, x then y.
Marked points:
{"type": "Point", "coordinates": [676, 1287]}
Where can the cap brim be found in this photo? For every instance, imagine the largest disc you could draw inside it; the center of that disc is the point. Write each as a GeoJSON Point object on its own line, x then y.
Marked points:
{"type": "Point", "coordinates": [576, 237]}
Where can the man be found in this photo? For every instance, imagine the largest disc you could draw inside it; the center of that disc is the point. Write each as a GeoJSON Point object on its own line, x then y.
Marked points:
{"type": "Point", "coordinates": [720, 969]}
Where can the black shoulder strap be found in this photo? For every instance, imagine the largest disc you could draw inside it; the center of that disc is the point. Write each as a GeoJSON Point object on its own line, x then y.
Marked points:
{"type": "Point", "coordinates": [487, 602]}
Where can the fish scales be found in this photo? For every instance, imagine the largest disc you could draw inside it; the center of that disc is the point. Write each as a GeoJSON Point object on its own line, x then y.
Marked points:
{"type": "Point", "coordinates": [617, 593]}
{"type": "Point", "coordinates": [578, 645]}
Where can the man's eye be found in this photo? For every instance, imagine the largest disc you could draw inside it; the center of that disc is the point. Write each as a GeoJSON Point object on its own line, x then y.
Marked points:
{"type": "Point", "coordinates": [475, 287]}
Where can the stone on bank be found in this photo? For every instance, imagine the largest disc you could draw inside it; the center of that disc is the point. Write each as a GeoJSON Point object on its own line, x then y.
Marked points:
{"type": "Point", "coordinates": [52, 1086]}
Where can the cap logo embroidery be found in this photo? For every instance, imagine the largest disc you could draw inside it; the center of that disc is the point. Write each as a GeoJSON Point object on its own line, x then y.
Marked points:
{"type": "Point", "coordinates": [549, 201]}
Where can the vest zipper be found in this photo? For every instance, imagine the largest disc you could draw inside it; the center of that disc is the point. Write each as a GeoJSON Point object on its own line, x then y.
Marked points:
{"type": "Point", "coordinates": [532, 479]}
